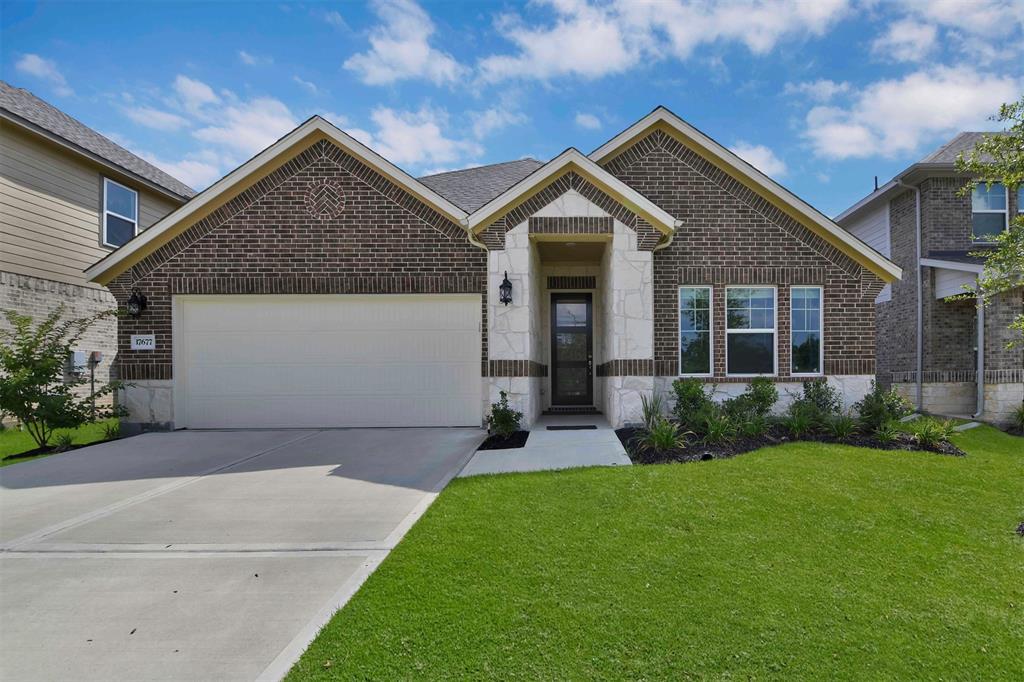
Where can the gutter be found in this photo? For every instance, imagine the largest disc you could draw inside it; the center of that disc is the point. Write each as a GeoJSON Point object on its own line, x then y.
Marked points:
{"type": "Point", "coordinates": [920, 294]}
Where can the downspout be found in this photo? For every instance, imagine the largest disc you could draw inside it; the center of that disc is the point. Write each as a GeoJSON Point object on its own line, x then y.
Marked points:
{"type": "Point", "coordinates": [981, 357]}
{"type": "Point", "coordinates": [920, 292]}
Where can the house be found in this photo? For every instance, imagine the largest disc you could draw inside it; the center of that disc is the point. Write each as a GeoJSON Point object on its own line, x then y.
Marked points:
{"type": "Point", "coordinates": [928, 346]}
{"type": "Point", "coordinates": [69, 196]}
{"type": "Point", "coordinates": [320, 285]}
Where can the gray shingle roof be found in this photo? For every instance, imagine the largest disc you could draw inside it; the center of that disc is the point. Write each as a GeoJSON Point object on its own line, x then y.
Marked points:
{"type": "Point", "coordinates": [958, 256]}
{"type": "Point", "coordinates": [948, 152]}
{"type": "Point", "coordinates": [471, 188]}
{"type": "Point", "coordinates": [23, 105]}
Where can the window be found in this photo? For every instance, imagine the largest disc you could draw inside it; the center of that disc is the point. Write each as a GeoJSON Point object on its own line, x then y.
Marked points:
{"type": "Point", "coordinates": [988, 204]}
{"type": "Point", "coordinates": [120, 213]}
{"type": "Point", "coordinates": [695, 330]}
{"type": "Point", "coordinates": [806, 335]}
{"type": "Point", "coordinates": [750, 330]}
{"type": "Point", "coordinates": [1020, 199]}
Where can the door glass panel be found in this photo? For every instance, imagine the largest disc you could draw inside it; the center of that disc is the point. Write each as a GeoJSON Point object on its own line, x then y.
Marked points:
{"type": "Point", "coordinates": [572, 382]}
{"type": "Point", "coordinates": [571, 314]}
{"type": "Point", "coordinates": [571, 347]}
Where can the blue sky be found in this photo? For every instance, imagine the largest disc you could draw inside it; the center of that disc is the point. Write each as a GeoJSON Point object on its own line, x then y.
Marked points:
{"type": "Point", "coordinates": [821, 95]}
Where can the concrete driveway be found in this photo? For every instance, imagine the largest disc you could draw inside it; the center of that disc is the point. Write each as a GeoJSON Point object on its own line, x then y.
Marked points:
{"type": "Point", "coordinates": [202, 555]}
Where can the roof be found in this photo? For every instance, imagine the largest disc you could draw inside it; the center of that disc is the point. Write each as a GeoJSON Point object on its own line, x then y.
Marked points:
{"type": "Point", "coordinates": [471, 188]}
{"type": "Point", "coordinates": [941, 162]}
{"type": "Point", "coordinates": [572, 160]}
{"type": "Point", "coordinates": [24, 108]}
{"type": "Point", "coordinates": [726, 160]}
{"type": "Point", "coordinates": [959, 256]}
{"type": "Point", "coordinates": [313, 129]}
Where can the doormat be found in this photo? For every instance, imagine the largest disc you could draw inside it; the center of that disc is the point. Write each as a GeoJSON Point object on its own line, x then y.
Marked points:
{"type": "Point", "coordinates": [573, 427]}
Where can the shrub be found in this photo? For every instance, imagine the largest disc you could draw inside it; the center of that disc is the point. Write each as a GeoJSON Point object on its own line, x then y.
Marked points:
{"type": "Point", "coordinates": [887, 433]}
{"type": "Point", "coordinates": [63, 442]}
{"type": "Point", "coordinates": [718, 428]}
{"type": "Point", "coordinates": [1018, 418]}
{"type": "Point", "coordinates": [755, 427]}
{"type": "Point", "coordinates": [931, 433]}
{"type": "Point", "coordinates": [798, 422]}
{"type": "Point", "coordinates": [693, 399]}
{"type": "Point", "coordinates": [503, 420]}
{"type": "Point", "coordinates": [651, 408]}
{"type": "Point", "coordinates": [842, 426]}
{"type": "Point", "coordinates": [880, 406]}
{"type": "Point", "coordinates": [756, 401]}
{"type": "Point", "coordinates": [34, 388]}
{"type": "Point", "coordinates": [661, 436]}
{"type": "Point", "coordinates": [820, 401]}
{"type": "Point", "coordinates": [112, 431]}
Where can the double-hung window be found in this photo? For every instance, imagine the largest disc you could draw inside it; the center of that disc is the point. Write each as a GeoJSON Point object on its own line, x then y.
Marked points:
{"type": "Point", "coordinates": [806, 330]}
{"type": "Point", "coordinates": [695, 330]}
{"type": "Point", "coordinates": [1020, 199]}
{"type": "Point", "coordinates": [988, 211]}
{"type": "Point", "coordinates": [750, 331]}
{"type": "Point", "coordinates": [120, 213]}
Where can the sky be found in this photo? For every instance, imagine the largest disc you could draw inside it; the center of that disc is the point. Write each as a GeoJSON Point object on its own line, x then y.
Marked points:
{"type": "Point", "coordinates": [822, 95]}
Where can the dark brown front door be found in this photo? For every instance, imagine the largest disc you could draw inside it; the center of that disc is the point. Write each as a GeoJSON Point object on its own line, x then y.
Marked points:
{"type": "Point", "coordinates": [572, 349]}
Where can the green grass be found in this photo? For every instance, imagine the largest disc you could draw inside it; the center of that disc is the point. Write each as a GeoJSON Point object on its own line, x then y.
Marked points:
{"type": "Point", "coordinates": [14, 441]}
{"type": "Point", "coordinates": [803, 561]}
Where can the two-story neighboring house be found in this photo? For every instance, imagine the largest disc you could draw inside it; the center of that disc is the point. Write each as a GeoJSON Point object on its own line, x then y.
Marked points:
{"type": "Point", "coordinates": [948, 357]}
{"type": "Point", "coordinates": [68, 196]}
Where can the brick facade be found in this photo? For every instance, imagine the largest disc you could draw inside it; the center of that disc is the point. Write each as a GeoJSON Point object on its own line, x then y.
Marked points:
{"type": "Point", "coordinates": [284, 235]}
{"type": "Point", "coordinates": [732, 236]}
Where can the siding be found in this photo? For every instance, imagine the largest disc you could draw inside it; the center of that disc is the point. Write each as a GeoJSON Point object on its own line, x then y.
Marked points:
{"type": "Point", "coordinates": [873, 230]}
{"type": "Point", "coordinates": [951, 282]}
{"type": "Point", "coordinates": [49, 208]}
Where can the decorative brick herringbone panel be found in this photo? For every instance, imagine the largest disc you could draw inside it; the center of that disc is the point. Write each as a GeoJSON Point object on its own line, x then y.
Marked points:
{"type": "Point", "coordinates": [732, 236]}
{"type": "Point", "coordinates": [322, 223]}
{"type": "Point", "coordinates": [573, 225]}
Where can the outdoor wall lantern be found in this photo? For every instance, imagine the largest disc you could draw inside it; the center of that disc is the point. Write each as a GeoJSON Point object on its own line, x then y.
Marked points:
{"type": "Point", "coordinates": [505, 290]}
{"type": "Point", "coordinates": [136, 303]}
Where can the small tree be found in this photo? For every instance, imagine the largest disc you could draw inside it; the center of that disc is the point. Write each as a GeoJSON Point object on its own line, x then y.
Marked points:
{"type": "Point", "coordinates": [1000, 158]}
{"type": "Point", "coordinates": [32, 384]}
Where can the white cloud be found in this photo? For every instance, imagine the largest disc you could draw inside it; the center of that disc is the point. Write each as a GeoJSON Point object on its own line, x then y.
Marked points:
{"type": "Point", "coordinates": [194, 94]}
{"type": "Point", "coordinates": [250, 59]}
{"type": "Point", "coordinates": [588, 121]}
{"type": "Point", "coordinates": [155, 118]}
{"type": "Point", "coordinates": [415, 138]}
{"type": "Point", "coordinates": [760, 157]}
{"type": "Point", "coordinates": [907, 40]}
{"type": "Point", "coordinates": [309, 86]}
{"type": "Point", "coordinates": [248, 127]}
{"type": "Point", "coordinates": [590, 41]}
{"type": "Point", "coordinates": [495, 119]}
{"type": "Point", "coordinates": [821, 90]}
{"type": "Point", "coordinates": [400, 48]}
{"type": "Point", "coordinates": [335, 19]}
{"type": "Point", "coordinates": [45, 69]}
{"type": "Point", "coordinates": [195, 171]}
{"type": "Point", "coordinates": [895, 116]}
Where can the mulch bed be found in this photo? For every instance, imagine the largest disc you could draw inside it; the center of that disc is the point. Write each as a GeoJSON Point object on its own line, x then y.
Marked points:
{"type": "Point", "coordinates": [697, 451]}
{"type": "Point", "coordinates": [496, 442]}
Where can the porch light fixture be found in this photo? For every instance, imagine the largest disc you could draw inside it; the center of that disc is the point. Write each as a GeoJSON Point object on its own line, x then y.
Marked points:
{"type": "Point", "coordinates": [136, 303]}
{"type": "Point", "coordinates": [505, 290]}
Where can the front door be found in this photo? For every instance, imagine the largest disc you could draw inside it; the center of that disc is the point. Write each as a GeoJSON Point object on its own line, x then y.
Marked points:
{"type": "Point", "coordinates": [572, 349]}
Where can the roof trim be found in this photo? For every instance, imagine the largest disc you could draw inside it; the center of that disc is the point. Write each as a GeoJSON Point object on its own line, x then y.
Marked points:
{"type": "Point", "coordinates": [571, 159]}
{"type": "Point", "coordinates": [756, 180]}
{"type": "Point", "coordinates": [92, 156]}
{"type": "Point", "coordinates": [952, 265]}
{"type": "Point", "coordinates": [162, 231]}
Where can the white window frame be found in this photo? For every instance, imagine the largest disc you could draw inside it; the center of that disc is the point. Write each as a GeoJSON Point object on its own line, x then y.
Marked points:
{"type": "Point", "coordinates": [774, 330]}
{"type": "Point", "coordinates": [133, 219]}
{"type": "Point", "coordinates": [821, 332]}
{"type": "Point", "coordinates": [1005, 212]}
{"type": "Point", "coordinates": [711, 330]}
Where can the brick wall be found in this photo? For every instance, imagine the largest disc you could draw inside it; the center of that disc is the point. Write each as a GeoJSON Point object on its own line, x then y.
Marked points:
{"type": "Point", "coordinates": [322, 223]}
{"type": "Point", "coordinates": [730, 235]}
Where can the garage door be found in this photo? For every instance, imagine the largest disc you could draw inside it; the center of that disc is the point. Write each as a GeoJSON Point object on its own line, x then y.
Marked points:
{"type": "Point", "coordinates": [323, 361]}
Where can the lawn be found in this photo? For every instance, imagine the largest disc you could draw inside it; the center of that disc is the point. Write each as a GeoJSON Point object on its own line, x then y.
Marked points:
{"type": "Point", "coordinates": [13, 441]}
{"type": "Point", "coordinates": [802, 561]}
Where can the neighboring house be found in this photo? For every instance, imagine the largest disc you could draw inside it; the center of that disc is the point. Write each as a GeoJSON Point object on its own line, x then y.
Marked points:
{"type": "Point", "coordinates": [320, 285]}
{"type": "Point", "coordinates": [68, 196]}
{"type": "Point", "coordinates": [920, 221]}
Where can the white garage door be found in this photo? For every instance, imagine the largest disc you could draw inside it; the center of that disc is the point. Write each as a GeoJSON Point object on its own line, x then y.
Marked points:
{"type": "Point", "coordinates": [322, 361]}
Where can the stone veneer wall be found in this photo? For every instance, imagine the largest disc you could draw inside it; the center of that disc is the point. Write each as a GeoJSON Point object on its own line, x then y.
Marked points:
{"type": "Point", "coordinates": [322, 223]}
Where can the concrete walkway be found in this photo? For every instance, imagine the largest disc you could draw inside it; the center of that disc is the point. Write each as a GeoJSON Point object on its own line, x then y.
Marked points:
{"type": "Point", "coordinates": [545, 450]}
{"type": "Point", "coordinates": [202, 555]}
